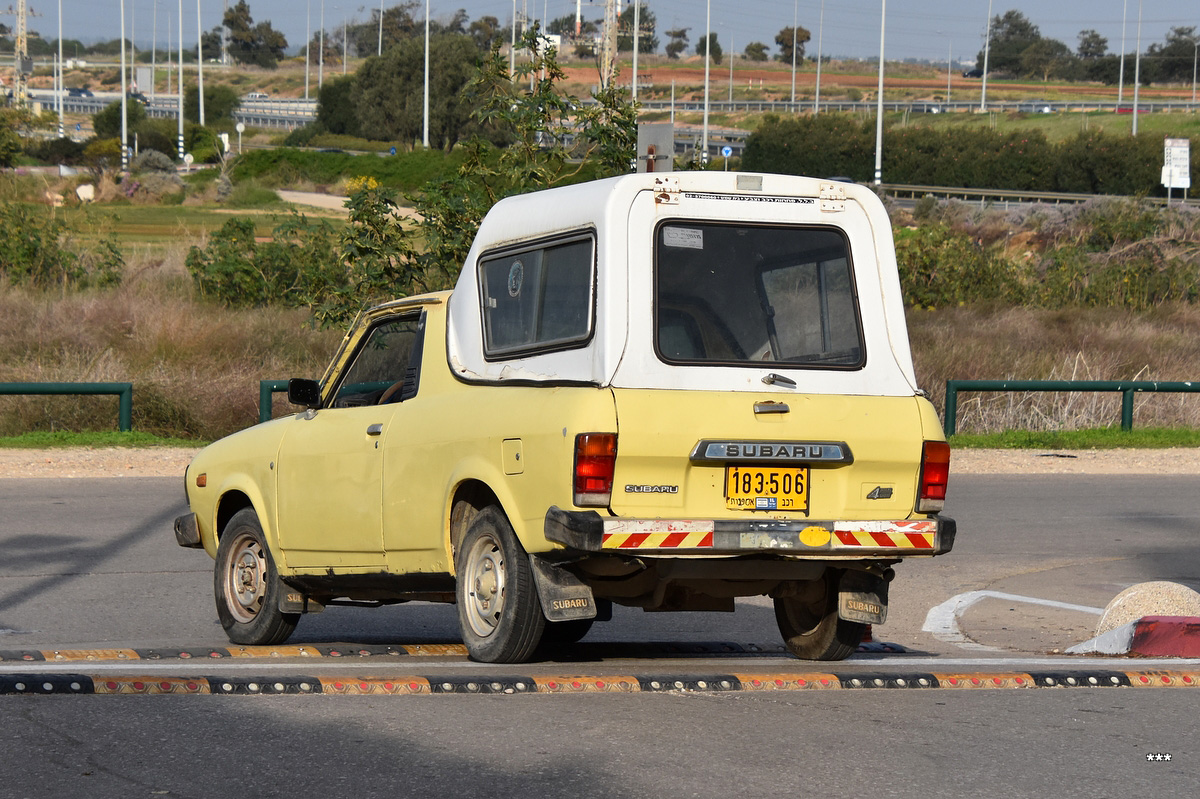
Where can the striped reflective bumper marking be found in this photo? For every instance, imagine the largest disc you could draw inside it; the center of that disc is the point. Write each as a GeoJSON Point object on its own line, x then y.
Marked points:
{"type": "Point", "coordinates": [893, 535]}
{"type": "Point", "coordinates": [673, 540]}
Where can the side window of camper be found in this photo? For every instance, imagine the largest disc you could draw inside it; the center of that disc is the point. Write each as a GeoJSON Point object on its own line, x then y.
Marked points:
{"type": "Point", "coordinates": [539, 298]}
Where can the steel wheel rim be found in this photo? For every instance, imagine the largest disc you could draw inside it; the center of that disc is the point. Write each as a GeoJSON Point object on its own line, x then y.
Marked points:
{"type": "Point", "coordinates": [486, 581]}
{"type": "Point", "coordinates": [245, 578]}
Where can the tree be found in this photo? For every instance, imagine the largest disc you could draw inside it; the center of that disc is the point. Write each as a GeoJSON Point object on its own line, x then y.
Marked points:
{"type": "Point", "coordinates": [1012, 34]}
{"type": "Point", "coordinates": [756, 51]}
{"type": "Point", "coordinates": [336, 109]}
{"type": "Point", "coordinates": [678, 43]}
{"type": "Point", "coordinates": [708, 43]}
{"type": "Point", "coordinates": [106, 123]}
{"type": "Point", "coordinates": [485, 31]}
{"type": "Point", "coordinates": [388, 97]}
{"type": "Point", "coordinates": [1171, 61]}
{"type": "Point", "coordinates": [647, 41]}
{"type": "Point", "coordinates": [1046, 57]}
{"type": "Point", "coordinates": [785, 38]}
{"type": "Point", "coordinates": [219, 103]}
{"type": "Point", "coordinates": [1091, 44]}
{"type": "Point", "coordinates": [260, 45]}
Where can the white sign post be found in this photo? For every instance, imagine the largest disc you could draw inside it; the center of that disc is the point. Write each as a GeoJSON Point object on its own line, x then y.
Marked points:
{"type": "Point", "coordinates": [1177, 166]}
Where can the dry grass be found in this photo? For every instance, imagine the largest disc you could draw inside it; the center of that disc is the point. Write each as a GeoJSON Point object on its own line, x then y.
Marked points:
{"type": "Point", "coordinates": [195, 367]}
{"type": "Point", "coordinates": [1072, 344]}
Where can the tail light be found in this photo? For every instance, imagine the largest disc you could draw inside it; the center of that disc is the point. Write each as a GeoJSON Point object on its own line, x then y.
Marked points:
{"type": "Point", "coordinates": [595, 461]}
{"type": "Point", "coordinates": [935, 473]}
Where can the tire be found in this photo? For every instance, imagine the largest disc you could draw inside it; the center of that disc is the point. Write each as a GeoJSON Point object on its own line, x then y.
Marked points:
{"type": "Point", "coordinates": [499, 613]}
{"type": "Point", "coordinates": [560, 633]}
{"type": "Point", "coordinates": [247, 585]}
{"type": "Point", "coordinates": [811, 628]}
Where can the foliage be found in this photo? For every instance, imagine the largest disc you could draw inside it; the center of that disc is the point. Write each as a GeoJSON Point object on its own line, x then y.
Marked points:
{"type": "Point", "coordinates": [709, 45]}
{"type": "Point", "coordinates": [835, 144]}
{"type": "Point", "coordinates": [785, 38]}
{"type": "Point", "coordinates": [152, 161]}
{"type": "Point", "coordinates": [220, 102]}
{"type": "Point", "coordinates": [942, 267]}
{"type": "Point", "coordinates": [388, 96]}
{"type": "Point", "coordinates": [10, 146]}
{"type": "Point", "coordinates": [756, 51]}
{"type": "Point", "coordinates": [336, 111]}
{"type": "Point", "coordinates": [292, 269]}
{"type": "Point", "coordinates": [53, 151]}
{"type": "Point", "coordinates": [32, 253]}
{"type": "Point", "coordinates": [102, 156]}
{"type": "Point", "coordinates": [260, 45]}
{"type": "Point", "coordinates": [1011, 34]}
{"type": "Point", "coordinates": [647, 41]}
{"type": "Point", "coordinates": [678, 42]}
{"type": "Point", "coordinates": [107, 122]}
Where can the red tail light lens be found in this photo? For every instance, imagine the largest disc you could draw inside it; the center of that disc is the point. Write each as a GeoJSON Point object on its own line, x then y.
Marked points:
{"type": "Point", "coordinates": [935, 473]}
{"type": "Point", "coordinates": [595, 461]}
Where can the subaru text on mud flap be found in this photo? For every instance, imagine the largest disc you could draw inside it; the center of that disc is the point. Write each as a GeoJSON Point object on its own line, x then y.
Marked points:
{"type": "Point", "coordinates": [660, 391]}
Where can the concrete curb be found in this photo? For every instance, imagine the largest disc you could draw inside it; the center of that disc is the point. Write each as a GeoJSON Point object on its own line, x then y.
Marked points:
{"type": "Point", "coordinates": [1158, 636]}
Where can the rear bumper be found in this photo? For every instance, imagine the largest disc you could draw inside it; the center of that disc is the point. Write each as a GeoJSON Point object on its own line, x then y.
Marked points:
{"type": "Point", "coordinates": [588, 531]}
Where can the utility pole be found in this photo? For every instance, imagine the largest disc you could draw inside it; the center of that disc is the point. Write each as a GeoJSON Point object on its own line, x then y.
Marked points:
{"type": "Point", "coordinates": [608, 47]}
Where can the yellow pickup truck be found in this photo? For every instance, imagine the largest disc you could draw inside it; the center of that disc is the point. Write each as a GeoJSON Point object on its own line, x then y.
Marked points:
{"type": "Point", "coordinates": [662, 391]}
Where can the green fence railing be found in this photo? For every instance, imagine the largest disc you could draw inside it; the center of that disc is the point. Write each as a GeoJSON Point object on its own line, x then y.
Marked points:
{"type": "Point", "coordinates": [123, 390]}
{"type": "Point", "coordinates": [1127, 388]}
{"type": "Point", "coordinates": [266, 391]}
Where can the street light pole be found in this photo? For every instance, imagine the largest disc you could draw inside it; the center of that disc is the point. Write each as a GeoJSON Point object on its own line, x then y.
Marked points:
{"type": "Point", "coordinates": [707, 61]}
{"type": "Point", "coordinates": [425, 128]}
{"type": "Point", "coordinates": [180, 97]}
{"type": "Point", "coordinates": [1137, 68]}
{"type": "Point", "coordinates": [124, 100]}
{"type": "Point", "coordinates": [1195, 52]}
{"type": "Point", "coordinates": [987, 47]}
{"type": "Point", "coordinates": [820, 44]}
{"type": "Point", "coordinates": [795, 21]}
{"type": "Point", "coordinates": [1121, 73]}
{"type": "Point", "coordinates": [379, 47]}
{"type": "Point", "coordinates": [200, 62]}
{"type": "Point", "coordinates": [879, 102]}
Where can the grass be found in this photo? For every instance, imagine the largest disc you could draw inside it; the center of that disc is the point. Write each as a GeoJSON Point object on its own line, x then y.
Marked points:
{"type": "Point", "coordinates": [1097, 438]}
{"type": "Point", "coordinates": [59, 439]}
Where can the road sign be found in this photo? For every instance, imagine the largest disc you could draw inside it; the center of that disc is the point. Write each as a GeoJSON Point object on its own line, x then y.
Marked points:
{"type": "Point", "coordinates": [726, 151]}
{"type": "Point", "coordinates": [1177, 164]}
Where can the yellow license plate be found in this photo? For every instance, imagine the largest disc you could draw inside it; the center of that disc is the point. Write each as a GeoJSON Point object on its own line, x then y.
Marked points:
{"type": "Point", "coordinates": [766, 488]}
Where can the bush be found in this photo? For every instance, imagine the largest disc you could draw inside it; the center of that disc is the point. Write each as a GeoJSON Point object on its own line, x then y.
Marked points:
{"type": "Point", "coordinates": [152, 161]}
{"type": "Point", "coordinates": [32, 253]}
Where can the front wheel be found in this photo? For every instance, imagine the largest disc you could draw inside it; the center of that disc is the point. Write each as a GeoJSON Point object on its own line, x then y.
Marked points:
{"type": "Point", "coordinates": [498, 608]}
{"type": "Point", "coordinates": [811, 627]}
{"type": "Point", "coordinates": [247, 585]}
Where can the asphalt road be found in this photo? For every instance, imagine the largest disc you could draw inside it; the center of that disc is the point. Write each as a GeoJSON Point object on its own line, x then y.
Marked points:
{"type": "Point", "coordinates": [93, 564]}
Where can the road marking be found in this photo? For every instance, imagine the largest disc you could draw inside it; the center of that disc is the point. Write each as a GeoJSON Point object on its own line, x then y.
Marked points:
{"type": "Point", "coordinates": [942, 620]}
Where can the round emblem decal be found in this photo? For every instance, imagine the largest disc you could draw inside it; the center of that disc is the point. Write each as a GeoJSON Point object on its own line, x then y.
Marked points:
{"type": "Point", "coordinates": [516, 277]}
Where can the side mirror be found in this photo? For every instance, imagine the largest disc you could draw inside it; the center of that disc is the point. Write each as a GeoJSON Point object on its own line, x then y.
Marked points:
{"type": "Point", "coordinates": [306, 393]}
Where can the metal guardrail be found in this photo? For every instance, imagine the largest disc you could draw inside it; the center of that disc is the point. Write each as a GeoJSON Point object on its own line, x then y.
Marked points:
{"type": "Point", "coordinates": [266, 390]}
{"type": "Point", "coordinates": [123, 390]}
{"type": "Point", "coordinates": [983, 196]}
{"type": "Point", "coordinates": [1127, 388]}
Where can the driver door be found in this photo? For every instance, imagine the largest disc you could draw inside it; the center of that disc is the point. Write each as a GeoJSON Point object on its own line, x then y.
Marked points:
{"type": "Point", "coordinates": [330, 465]}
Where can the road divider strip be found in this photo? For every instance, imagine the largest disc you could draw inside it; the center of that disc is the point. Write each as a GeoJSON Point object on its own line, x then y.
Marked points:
{"type": "Point", "coordinates": [430, 684]}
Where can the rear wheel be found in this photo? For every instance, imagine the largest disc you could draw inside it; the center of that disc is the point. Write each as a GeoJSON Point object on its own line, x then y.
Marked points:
{"type": "Point", "coordinates": [498, 608]}
{"type": "Point", "coordinates": [810, 625]}
{"type": "Point", "coordinates": [247, 585]}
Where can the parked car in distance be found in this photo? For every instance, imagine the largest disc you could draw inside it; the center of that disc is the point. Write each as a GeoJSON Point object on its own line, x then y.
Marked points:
{"type": "Point", "coordinates": [1034, 108]}
{"type": "Point", "coordinates": [973, 73]}
{"type": "Point", "coordinates": [258, 96]}
{"type": "Point", "coordinates": [79, 91]}
{"type": "Point", "coordinates": [662, 391]}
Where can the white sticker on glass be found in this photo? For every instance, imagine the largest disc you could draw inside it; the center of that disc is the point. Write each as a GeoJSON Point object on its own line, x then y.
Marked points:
{"type": "Point", "coordinates": [683, 237]}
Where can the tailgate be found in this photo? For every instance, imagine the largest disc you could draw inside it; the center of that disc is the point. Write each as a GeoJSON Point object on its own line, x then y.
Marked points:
{"type": "Point", "coordinates": [742, 455]}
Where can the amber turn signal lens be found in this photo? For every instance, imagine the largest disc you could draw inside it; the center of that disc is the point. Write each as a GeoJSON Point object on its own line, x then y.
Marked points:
{"type": "Point", "coordinates": [201, 480]}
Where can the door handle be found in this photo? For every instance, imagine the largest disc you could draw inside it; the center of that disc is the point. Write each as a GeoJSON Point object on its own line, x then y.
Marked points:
{"type": "Point", "coordinates": [375, 429]}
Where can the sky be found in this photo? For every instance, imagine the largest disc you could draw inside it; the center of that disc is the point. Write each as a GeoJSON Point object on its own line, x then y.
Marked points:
{"type": "Point", "coordinates": [917, 29]}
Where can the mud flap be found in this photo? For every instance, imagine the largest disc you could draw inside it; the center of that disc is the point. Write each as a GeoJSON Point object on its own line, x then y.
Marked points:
{"type": "Point", "coordinates": [292, 601]}
{"type": "Point", "coordinates": [862, 597]}
{"type": "Point", "coordinates": [564, 596]}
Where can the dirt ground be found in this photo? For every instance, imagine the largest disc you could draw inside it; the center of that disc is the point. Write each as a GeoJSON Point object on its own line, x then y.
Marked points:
{"type": "Point", "coordinates": [165, 462]}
